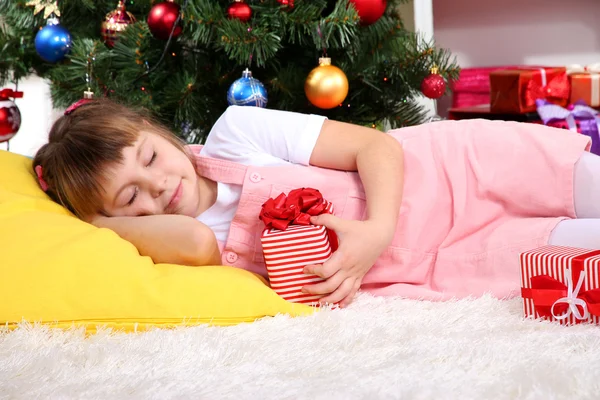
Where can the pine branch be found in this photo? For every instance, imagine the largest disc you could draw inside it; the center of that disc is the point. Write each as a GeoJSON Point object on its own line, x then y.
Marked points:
{"type": "Point", "coordinates": [339, 28]}
{"type": "Point", "coordinates": [245, 45]}
{"type": "Point", "coordinates": [187, 88]}
{"type": "Point", "coordinates": [203, 17]}
{"type": "Point", "coordinates": [5, 29]}
{"type": "Point", "coordinates": [298, 25]}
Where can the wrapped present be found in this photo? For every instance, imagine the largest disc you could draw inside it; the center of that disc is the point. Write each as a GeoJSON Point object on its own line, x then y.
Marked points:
{"type": "Point", "coordinates": [577, 117]}
{"type": "Point", "coordinates": [483, 111]}
{"type": "Point", "coordinates": [290, 242]}
{"type": "Point", "coordinates": [585, 84]}
{"type": "Point", "coordinates": [561, 284]}
{"type": "Point", "coordinates": [472, 87]}
{"type": "Point", "coordinates": [516, 90]}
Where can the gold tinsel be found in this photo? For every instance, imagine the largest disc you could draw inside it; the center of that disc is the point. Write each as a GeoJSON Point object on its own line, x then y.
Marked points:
{"type": "Point", "coordinates": [48, 6]}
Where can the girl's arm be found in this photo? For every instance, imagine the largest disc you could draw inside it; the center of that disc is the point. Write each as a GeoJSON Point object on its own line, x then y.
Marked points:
{"type": "Point", "coordinates": [378, 158]}
{"type": "Point", "coordinates": [167, 238]}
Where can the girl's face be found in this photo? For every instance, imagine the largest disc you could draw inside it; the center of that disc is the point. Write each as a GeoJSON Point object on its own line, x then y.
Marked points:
{"type": "Point", "coordinates": [155, 177]}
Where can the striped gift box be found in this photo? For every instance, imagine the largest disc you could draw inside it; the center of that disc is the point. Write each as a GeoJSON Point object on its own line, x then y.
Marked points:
{"type": "Point", "coordinates": [561, 284]}
{"type": "Point", "coordinates": [286, 254]}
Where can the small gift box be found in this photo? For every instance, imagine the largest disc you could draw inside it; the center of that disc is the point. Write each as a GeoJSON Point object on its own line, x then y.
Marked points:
{"type": "Point", "coordinates": [577, 117]}
{"type": "Point", "coordinates": [483, 111]}
{"type": "Point", "coordinates": [585, 84]}
{"type": "Point", "coordinates": [516, 90]}
{"type": "Point", "coordinates": [290, 242]}
{"type": "Point", "coordinates": [561, 284]}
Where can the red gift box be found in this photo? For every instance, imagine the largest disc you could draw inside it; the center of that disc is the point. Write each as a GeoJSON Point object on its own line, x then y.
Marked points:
{"type": "Point", "coordinates": [516, 90]}
{"type": "Point", "coordinates": [483, 111]}
{"type": "Point", "coordinates": [586, 87]}
{"type": "Point", "coordinates": [585, 84]}
{"type": "Point", "coordinates": [473, 86]}
{"type": "Point", "coordinates": [290, 242]}
{"type": "Point", "coordinates": [561, 284]}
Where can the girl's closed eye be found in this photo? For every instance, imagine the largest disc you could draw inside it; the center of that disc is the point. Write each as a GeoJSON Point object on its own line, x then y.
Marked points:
{"type": "Point", "coordinates": [136, 190]}
{"type": "Point", "coordinates": [152, 159]}
{"type": "Point", "coordinates": [135, 193]}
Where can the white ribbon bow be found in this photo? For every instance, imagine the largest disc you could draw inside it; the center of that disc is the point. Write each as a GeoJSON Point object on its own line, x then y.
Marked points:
{"type": "Point", "coordinates": [583, 69]}
{"type": "Point", "coordinates": [572, 299]}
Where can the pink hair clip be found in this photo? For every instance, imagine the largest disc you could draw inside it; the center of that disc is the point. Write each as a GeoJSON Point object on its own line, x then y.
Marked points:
{"type": "Point", "coordinates": [42, 182]}
{"type": "Point", "coordinates": [76, 105]}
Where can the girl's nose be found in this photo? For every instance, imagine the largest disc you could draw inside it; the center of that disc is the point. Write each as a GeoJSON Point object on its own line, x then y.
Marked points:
{"type": "Point", "coordinates": [156, 185]}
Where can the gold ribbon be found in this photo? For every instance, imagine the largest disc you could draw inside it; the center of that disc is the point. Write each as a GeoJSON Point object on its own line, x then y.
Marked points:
{"type": "Point", "coordinates": [583, 69]}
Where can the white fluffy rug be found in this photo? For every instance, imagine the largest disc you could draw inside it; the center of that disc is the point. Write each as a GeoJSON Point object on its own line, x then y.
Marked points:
{"type": "Point", "coordinates": [376, 349]}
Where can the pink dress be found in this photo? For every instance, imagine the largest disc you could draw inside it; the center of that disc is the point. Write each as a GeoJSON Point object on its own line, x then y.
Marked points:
{"type": "Point", "coordinates": [476, 194]}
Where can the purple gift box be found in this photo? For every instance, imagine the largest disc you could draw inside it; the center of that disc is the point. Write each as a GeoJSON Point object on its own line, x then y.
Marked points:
{"type": "Point", "coordinates": [577, 117]}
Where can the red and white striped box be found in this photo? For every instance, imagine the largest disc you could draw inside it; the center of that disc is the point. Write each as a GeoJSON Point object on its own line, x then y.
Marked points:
{"type": "Point", "coordinates": [561, 284]}
{"type": "Point", "coordinates": [286, 254]}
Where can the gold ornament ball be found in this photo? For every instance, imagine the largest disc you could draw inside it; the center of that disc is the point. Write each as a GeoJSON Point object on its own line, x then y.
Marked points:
{"type": "Point", "coordinates": [326, 86]}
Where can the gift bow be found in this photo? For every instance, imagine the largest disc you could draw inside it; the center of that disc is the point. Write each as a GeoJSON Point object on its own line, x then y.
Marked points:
{"type": "Point", "coordinates": [583, 69]}
{"type": "Point", "coordinates": [548, 112]}
{"type": "Point", "coordinates": [551, 297]}
{"type": "Point", "coordinates": [295, 209]}
{"type": "Point", "coordinates": [558, 89]}
{"type": "Point", "coordinates": [9, 93]}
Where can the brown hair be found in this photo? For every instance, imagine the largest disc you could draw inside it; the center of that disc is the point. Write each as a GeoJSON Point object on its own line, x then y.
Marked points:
{"type": "Point", "coordinates": [82, 144]}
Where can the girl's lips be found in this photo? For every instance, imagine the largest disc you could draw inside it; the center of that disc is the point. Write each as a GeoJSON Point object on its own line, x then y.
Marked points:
{"type": "Point", "coordinates": [175, 198]}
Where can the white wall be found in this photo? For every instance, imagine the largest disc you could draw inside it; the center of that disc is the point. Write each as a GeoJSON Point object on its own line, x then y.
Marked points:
{"type": "Point", "coordinates": [506, 32]}
{"type": "Point", "coordinates": [407, 11]}
{"type": "Point", "coordinates": [514, 32]}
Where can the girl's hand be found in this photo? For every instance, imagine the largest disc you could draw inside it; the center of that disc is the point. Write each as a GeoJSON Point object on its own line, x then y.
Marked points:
{"type": "Point", "coordinates": [361, 243]}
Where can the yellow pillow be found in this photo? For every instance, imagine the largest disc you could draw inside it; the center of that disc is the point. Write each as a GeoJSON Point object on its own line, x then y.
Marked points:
{"type": "Point", "coordinates": [58, 270]}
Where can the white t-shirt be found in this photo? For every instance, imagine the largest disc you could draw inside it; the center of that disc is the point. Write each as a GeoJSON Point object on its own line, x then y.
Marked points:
{"type": "Point", "coordinates": [258, 137]}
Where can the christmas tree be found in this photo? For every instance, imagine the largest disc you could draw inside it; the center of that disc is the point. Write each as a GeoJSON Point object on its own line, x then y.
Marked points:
{"type": "Point", "coordinates": [180, 59]}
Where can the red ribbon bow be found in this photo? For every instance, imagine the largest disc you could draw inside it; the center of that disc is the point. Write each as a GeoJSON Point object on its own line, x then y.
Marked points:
{"type": "Point", "coordinates": [552, 298]}
{"type": "Point", "coordinates": [76, 105]}
{"type": "Point", "coordinates": [295, 209]}
{"type": "Point", "coordinates": [9, 93]}
{"type": "Point", "coordinates": [545, 291]}
{"type": "Point", "coordinates": [556, 91]}
{"type": "Point", "coordinates": [40, 176]}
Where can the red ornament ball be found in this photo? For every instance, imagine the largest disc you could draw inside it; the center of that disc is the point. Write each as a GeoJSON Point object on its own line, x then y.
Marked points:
{"type": "Point", "coordinates": [161, 19]}
{"type": "Point", "coordinates": [369, 11]}
{"type": "Point", "coordinates": [239, 10]}
{"type": "Point", "coordinates": [288, 3]}
{"type": "Point", "coordinates": [433, 86]}
{"type": "Point", "coordinates": [10, 119]}
{"type": "Point", "coordinates": [114, 23]}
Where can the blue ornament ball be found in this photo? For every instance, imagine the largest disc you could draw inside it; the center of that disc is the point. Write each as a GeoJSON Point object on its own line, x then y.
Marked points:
{"type": "Point", "coordinates": [53, 42]}
{"type": "Point", "coordinates": [247, 91]}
